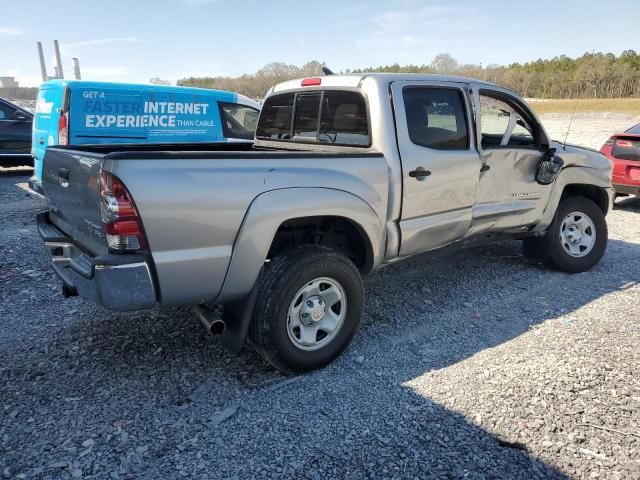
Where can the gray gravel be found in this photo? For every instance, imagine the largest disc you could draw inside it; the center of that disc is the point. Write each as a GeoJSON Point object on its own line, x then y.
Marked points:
{"type": "Point", "coordinates": [469, 364]}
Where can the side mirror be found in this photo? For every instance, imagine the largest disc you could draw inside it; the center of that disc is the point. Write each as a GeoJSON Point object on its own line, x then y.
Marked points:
{"type": "Point", "coordinates": [549, 167]}
{"type": "Point", "coordinates": [21, 117]}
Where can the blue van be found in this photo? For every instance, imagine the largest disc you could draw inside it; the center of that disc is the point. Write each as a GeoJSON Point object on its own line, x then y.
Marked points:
{"type": "Point", "coordinates": [78, 112]}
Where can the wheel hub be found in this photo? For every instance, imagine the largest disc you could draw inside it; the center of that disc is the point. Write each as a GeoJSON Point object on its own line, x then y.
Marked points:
{"type": "Point", "coordinates": [574, 234]}
{"type": "Point", "coordinates": [578, 234]}
{"type": "Point", "coordinates": [313, 310]}
{"type": "Point", "coordinates": [316, 313]}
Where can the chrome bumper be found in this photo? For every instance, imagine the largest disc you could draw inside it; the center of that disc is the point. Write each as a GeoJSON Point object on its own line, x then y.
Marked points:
{"type": "Point", "coordinates": [118, 282]}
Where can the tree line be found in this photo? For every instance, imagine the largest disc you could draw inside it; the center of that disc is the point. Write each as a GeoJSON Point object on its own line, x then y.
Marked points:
{"type": "Point", "coordinates": [593, 75]}
{"type": "Point", "coordinates": [597, 75]}
{"type": "Point", "coordinates": [19, 93]}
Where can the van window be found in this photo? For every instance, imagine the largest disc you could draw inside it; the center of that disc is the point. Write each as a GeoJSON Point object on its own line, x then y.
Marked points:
{"type": "Point", "coordinates": [329, 116]}
{"type": "Point", "coordinates": [436, 118]}
{"type": "Point", "coordinates": [238, 121]}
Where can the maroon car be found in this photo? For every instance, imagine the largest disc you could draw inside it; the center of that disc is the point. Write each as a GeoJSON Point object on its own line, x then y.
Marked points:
{"type": "Point", "coordinates": [623, 149]}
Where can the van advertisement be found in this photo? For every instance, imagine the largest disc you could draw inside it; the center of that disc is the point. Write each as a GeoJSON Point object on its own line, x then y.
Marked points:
{"type": "Point", "coordinates": [154, 116]}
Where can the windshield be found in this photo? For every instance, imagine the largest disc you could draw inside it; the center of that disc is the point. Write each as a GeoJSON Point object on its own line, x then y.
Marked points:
{"type": "Point", "coordinates": [635, 130]}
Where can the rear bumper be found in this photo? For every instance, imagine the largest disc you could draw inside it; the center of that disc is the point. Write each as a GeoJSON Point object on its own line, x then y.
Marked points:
{"type": "Point", "coordinates": [118, 282]}
{"type": "Point", "coordinates": [35, 184]}
{"type": "Point", "coordinates": [627, 189]}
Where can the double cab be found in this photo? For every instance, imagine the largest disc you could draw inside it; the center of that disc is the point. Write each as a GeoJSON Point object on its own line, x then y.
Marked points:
{"type": "Point", "coordinates": [269, 241]}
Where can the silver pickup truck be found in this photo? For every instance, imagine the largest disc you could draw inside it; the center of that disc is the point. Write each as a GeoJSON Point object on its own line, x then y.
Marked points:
{"type": "Point", "coordinates": [347, 173]}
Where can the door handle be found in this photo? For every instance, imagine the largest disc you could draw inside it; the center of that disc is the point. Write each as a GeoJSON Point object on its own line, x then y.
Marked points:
{"type": "Point", "coordinates": [420, 173]}
{"type": "Point", "coordinates": [485, 168]}
{"type": "Point", "coordinates": [63, 177]}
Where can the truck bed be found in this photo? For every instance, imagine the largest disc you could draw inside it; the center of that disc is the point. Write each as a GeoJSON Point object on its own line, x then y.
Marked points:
{"type": "Point", "coordinates": [194, 199]}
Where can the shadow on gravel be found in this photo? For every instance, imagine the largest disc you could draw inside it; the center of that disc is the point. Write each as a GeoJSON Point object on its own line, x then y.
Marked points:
{"type": "Point", "coordinates": [629, 204]}
{"type": "Point", "coordinates": [158, 398]}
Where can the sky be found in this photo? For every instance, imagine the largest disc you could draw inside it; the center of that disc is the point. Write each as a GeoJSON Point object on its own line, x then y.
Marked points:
{"type": "Point", "coordinates": [134, 40]}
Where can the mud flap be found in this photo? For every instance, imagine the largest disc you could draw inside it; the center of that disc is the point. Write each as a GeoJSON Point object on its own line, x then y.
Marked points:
{"type": "Point", "coordinates": [237, 318]}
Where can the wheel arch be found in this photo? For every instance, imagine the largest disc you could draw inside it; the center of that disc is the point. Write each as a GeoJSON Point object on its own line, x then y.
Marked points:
{"type": "Point", "coordinates": [577, 181]}
{"type": "Point", "coordinates": [273, 211]}
{"type": "Point", "coordinates": [593, 192]}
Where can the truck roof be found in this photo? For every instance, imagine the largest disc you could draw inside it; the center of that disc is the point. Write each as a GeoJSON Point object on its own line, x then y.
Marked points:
{"type": "Point", "coordinates": [354, 80]}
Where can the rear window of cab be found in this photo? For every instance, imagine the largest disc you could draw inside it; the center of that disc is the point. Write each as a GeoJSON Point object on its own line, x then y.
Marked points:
{"type": "Point", "coordinates": [325, 117]}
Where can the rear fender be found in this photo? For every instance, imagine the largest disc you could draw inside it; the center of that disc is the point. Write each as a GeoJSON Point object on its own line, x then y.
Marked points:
{"type": "Point", "coordinates": [270, 209]}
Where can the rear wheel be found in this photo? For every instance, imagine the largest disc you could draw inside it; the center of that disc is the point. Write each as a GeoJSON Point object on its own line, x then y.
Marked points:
{"type": "Point", "coordinates": [576, 239]}
{"type": "Point", "coordinates": [308, 308]}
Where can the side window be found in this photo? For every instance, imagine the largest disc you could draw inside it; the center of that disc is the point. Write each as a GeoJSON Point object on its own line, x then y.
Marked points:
{"type": "Point", "coordinates": [503, 125]}
{"type": "Point", "coordinates": [436, 118]}
{"type": "Point", "coordinates": [238, 121]}
{"type": "Point", "coordinates": [7, 112]}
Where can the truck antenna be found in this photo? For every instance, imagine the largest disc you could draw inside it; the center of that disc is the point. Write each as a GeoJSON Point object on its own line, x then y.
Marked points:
{"type": "Point", "coordinates": [575, 105]}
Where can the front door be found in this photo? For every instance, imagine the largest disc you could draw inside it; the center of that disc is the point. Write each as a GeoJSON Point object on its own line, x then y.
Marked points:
{"type": "Point", "coordinates": [440, 163]}
{"type": "Point", "coordinates": [511, 144]}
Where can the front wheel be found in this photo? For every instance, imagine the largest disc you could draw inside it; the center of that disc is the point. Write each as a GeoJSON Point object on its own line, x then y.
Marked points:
{"type": "Point", "coordinates": [308, 308]}
{"type": "Point", "coordinates": [576, 239]}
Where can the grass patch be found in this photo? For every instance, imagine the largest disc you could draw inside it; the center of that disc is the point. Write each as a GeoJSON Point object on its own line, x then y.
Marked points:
{"type": "Point", "coordinates": [621, 105]}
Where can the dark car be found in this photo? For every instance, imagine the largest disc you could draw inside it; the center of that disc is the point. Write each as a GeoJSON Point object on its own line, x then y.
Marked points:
{"type": "Point", "coordinates": [15, 135]}
{"type": "Point", "coordinates": [623, 149]}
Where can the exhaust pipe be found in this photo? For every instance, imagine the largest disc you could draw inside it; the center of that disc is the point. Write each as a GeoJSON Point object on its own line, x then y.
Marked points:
{"type": "Point", "coordinates": [211, 319]}
{"type": "Point", "coordinates": [68, 292]}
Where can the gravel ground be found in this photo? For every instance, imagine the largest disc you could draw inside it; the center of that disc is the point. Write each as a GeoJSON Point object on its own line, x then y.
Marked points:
{"type": "Point", "coordinates": [469, 364]}
{"type": "Point", "coordinates": [590, 129]}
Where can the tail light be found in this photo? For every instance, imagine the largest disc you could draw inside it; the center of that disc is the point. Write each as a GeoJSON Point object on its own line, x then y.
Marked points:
{"type": "Point", "coordinates": [607, 147]}
{"type": "Point", "coordinates": [120, 219]}
{"type": "Point", "coordinates": [63, 129]}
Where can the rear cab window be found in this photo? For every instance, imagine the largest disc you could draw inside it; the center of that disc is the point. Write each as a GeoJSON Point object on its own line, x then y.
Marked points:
{"type": "Point", "coordinates": [333, 117]}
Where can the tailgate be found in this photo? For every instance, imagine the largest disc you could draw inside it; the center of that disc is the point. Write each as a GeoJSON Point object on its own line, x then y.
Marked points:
{"type": "Point", "coordinates": [71, 184]}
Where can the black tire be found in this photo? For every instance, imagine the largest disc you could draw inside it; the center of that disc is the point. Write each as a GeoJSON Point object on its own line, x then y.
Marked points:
{"type": "Point", "coordinates": [548, 249]}
{"type": "Point", "coordinates": [282, 278]}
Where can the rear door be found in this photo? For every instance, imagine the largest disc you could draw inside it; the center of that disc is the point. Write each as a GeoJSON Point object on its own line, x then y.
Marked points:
{"type": "Point", "coordinates": [45, 122]}
{"type": "Point", "coordinates": [439, 161]}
